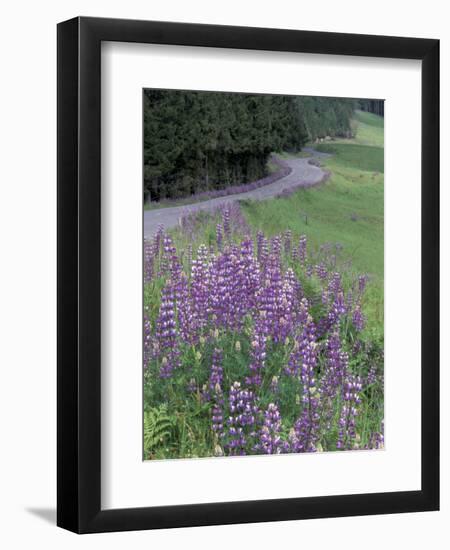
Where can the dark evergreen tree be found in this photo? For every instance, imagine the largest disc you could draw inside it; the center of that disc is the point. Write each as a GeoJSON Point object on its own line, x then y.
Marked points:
{"type": "Point", "coordinates": [198, 141]}
{"type": "Point", "coordinates": [375, 106]}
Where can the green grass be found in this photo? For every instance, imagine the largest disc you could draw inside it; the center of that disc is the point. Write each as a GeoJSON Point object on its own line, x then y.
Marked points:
{"type": "Point", "coordinates": [369, 119]}
{"type": "Point", "coordinates": [369, 129]}
{"type": "Point", "coordinates": [361, 157]}
{"type": "Point", "coordinates": [296, 155]}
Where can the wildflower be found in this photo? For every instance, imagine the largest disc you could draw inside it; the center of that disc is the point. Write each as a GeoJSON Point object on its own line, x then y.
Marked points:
{"type": "Point", "coordinates": [219, 236]}
{"type": "Point", "coordinates": [166, 334]}
{"type": "Point", "coordinates": [350, 393]}
{"type": "Point", "coordinates": [216, 372]}
{"type": "Point", "coordinates": [241, 422]}
{"type": "Point", "coordinates": [270, 441]}
{"type": "Point", "coordinates": [258, 354]}
{"type": "Point", "coordinates": [358, 318]}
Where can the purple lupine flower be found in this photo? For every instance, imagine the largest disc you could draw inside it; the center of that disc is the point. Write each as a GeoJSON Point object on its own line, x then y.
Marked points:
{"type": "Point", "coordinates": [269, 292]}
{"type": "Point", "coordinates": [249, 276]}
{"type": "Point", "coordinates": [357, 347]}
{"type": "Point", "coordinates": [376, 439]}
{"type": "Point", "coordinates": [147, 351]}
{"type": "Point", "coordinates": [215, 385]}
{"type": "Point", "coordinates": [334, 372]}
{"type": "Point", "coordinates": [263, 253]}
{"type": "Point", "coordinates": [271, 300]}
{"type": "Point", "coordinates": [303, 312]}
{"type": "Point", "coordinates": [301, 341]}
{"type": "Point", "coordinates": [275, 246]}
{"type": "Point", "coordinates": [216, 372]}
{"type": "Point", "coordinates": [287, 242]}
{"type": "Point", "coordinates": [325, 297]}
{"type": "Point", "coordinates": [228, 292]}
{"type": "Point", "coordinates": [335, 284]}
{"type": "Point", "coordinates": [189, 257]}
{"type": "Point", "coordinates": [289, 311]}
{"type": "Point", "coordinates": [362, 281]}
{"type": "Point", "coordinates": [293, 366]}
{"type": "Point", "coordinates": [335, 368]}
{"type": "Point", "coordinates": [185, 311]}
{"type": "Point", "coordinates": [259, 244]}
{"type": "Point", "coordinates": [321, 271]}
{"type": "Point", "coordinates": [217, 411]}
{"type": "Point", "coordinates": [219, 236]}
{"type": "Point", "coordinates": [241, 424]}
{"type": "Point", "coordinates": [200, 288]}
{"type": "Point", "coordinates": [149, 260]}
{"type": "Point", "coordinates": [371, 374]}
{"type": "Point", "coordinates": [168, 257]}
{"type": "Point", "coordinates": [337, 310]}
{"type": "Point", "coordinates": [302, 245]}
{"type": "Point", "coordinates": [305, 434]}
{"type": "Point", "coordinates": [166, 345]}
{"type": "Point", "coordinates": [349, 300]}
{"type": "Point", "coordinates": [269, 437]}
{"type": "Point", "coordinates": [258, 352]}
{"type": "Point", "coordinates": [358, 318]}
{"type": "Point", "coordinates": [170, 254]}
{"type": "Point", "coordinates": [158, 239]}
{"type": "Point", "coordinates": [205, 394]}
{"type": "Point", "coordinates": [333, 297]}
{"type": "Point", "coordinates": [350, 394]}
{"type": "Point", "coordinates": [226, 222]}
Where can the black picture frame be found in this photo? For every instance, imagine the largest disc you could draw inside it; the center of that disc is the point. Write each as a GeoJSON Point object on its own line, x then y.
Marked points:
{"type": "Point", "coordinates": [79, 281]}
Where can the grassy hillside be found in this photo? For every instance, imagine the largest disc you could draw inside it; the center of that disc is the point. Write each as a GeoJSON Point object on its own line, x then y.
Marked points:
{"type": "Point", "coordinates": [369, 129]}
{"type": "Point", "coordinates": [362, 157]}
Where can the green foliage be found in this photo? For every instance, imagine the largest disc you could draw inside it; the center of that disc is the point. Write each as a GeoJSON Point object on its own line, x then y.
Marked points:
{"type": "Point", "coordinates": [158, 425]}
{"type": "Point", "coordinates": [326, 116]}
{"type": "Point", "coordinates": [375, 106]}
{"type": "Point", "coordinates": [369, 119]}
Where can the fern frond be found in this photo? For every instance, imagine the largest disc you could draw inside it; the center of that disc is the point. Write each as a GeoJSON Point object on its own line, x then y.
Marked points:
{"type": "Point", "coordinates": [157, 426]}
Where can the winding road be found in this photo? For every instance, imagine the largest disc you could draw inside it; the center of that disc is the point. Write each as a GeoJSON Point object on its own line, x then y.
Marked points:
{"type": "Point", "coordinates": [303, 174]}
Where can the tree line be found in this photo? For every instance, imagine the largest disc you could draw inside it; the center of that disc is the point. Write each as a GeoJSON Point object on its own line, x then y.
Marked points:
{"type": "Point", "coordinates": [375, 106]}
{"type": "Point", "coordinates": [200, 141]}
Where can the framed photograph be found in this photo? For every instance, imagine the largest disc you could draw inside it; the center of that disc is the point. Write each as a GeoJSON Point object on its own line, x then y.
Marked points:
{"type": "Point", "coordinates": [248, 288]}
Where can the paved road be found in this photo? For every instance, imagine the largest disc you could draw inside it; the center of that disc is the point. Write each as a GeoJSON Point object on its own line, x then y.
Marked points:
{"type": "Point", "coordinates": [303, 174]}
